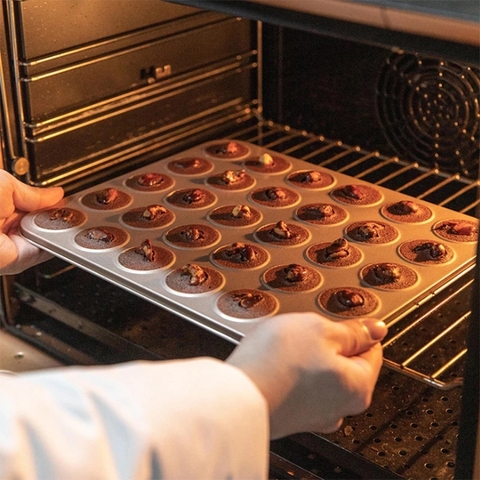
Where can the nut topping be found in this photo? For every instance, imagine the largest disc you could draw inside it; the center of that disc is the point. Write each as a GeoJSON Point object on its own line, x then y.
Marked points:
{"type": "Point", "coordinates": [369, 230]}
{"type": "Point", "coordinates": [241, 211]}
{"type": "Point", "coordinates": [240, 252]}
{"type": "Point", "coordinates": [295, 273]}
{"type": "Point", "coordinates": [231, 176]}
{"type": "Point", "coordinates": [248, 300]}
{"type": "Point", "coordinates": [100, 235]}
{"type": "Point", "coordinates": [322, 211]}
{"type": "Point", "coordinates": [404, 207]}
{"type": "Point", "coordinates": [337, 249]}
{"type": "Point", "coordinates": [311, 177]}
{"type": "Point", "coordinates": [195, 272]}
{"type": "Point", "coordinates": [433, 249]}
{"type": "Point", "coordinates": [107, 196]}
{"type": "Point", "coordinates": [266, 160]}
{"type": "Point", "coordinates": [275, 193]}
{"type": "Point", "coordinates": [281, 230]}
{"type": "Point", "coordinates": [150, 179]}
{"type": "Point", "coordinates": [192, 196]}
{"type": "Point", "coordinates": [63, 214]}
{"type": "Point", "coordinates": [386, 272]}
{"type": "Point", "coordinates": [459, 228]}
{"type": "Point", "coordinates": [192, 234]}
{"type": "Point", "coordinates": [153, 211]}
{"type": "Point", "coordinates": [349, 298]}
{"type": "Point", "coordinates": [352, 191]}
{"type": "Point", "coordinates": [146, 250]}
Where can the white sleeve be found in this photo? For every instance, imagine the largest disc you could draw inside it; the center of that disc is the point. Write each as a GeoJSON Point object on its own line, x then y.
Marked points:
{"type": "Point", "coordinates": [186, 419]}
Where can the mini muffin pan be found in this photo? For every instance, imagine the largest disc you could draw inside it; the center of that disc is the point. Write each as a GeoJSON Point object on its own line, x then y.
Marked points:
{"type": "Point", "coordinates": [268, 234]}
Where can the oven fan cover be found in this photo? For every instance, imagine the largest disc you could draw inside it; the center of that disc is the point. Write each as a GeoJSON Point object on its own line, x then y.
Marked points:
{"type": "Point", "coordinates": [429, 111]}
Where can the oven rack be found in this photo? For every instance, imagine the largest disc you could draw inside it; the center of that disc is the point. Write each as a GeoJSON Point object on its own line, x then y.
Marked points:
{"type": "Point", "coordinates": [441, 323]}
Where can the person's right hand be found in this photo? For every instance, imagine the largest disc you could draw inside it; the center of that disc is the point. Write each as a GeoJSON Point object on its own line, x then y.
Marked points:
{"type": "Point", "coordinates": [312, 371]}
{"type": "Point", "coordinates": [16, 199]}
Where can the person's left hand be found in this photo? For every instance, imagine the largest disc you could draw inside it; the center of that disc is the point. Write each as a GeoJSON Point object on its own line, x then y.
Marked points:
{"type": "Point", "coordinates": [17, 199]}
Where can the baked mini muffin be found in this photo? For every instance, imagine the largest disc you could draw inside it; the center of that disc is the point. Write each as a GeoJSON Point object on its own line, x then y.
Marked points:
{"type": "Point", "coordinates": [388, 276]}
{"type": "Point", "coordinates": [192, 236]}
{"type": "Point", "coordinates": [106, 199]}
{"type": "Point", "coordinates": [282, 234]}
{"type": "Point", "coordinates": [310, 179]}
{"type": "Point", "coordinates": [101, 238]}
{"type": "Point", "coordinates": [190, 166]}
{"type": "Point", "coordinates": [151, 216]}
{"type": "Point", "coordinates": [359, 195]}
{"type": "Point", "coordinates": [232, 180]}
{"type": "Point", "coordinates": [146, 257]}
{"type": "Point", "coordinates": [235, 216]}
{"type": "Point", "coordinates": [240, 256]}
{"type": "Point", "coordinates": [372, 232]}
{"type": "Point", "coordinates": [268, 164]}
{"type": "Point", "coordinates": [348, 301]}
{"type": "Point", "coordinates": [457, 230]}
{"type": "Point", "coordinates": [228, 149]}
{"type": "Point", "coordinates": [321, 214]}
{"type": "Point", "coordinates": [59, 218]}
{"type": "Point", "coordinates": [338, 253]}
{"type": "Point", "coordinates": [150, 182]}
{"type": "Point", "coordinates": [191, 198]}
{"type": "Point", "coordinates": [292, 278]}
{"type": "Point", "coordinates": [247, 304]}
{"type": "Point", "coordinates": [275, 197]}
{"type": "Point", "coordinates": [406, 211]}
{"type": "Point", "coordinates": [426, 252]}
{"type": "Point", "coordinates": [193, 279]}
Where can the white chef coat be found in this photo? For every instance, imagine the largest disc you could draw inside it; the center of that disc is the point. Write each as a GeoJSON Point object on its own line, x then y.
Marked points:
{"type": "Point", "coordinates": [186, 419]}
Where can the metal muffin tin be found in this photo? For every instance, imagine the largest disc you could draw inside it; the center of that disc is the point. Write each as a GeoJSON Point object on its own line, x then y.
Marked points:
{"type": "Point", "coordinates": [201, 308]}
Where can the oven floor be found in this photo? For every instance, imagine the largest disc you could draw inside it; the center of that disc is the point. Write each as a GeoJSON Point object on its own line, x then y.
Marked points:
{"type": "Point", "coordinates": [19, 356]}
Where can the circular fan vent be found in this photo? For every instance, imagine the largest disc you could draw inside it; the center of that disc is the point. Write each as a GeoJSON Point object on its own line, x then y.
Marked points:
{"type": "Point", "coordinates": [429, 111]}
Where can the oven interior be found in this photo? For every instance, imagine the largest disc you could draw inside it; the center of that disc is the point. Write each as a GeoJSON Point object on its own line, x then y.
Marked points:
{"type": "Point", "coordinates": [86, 104]}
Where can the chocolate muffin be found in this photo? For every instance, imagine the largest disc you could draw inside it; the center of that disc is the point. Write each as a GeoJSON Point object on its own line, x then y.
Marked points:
{"type": "Point", "coordinates": [388, 276]}
{"type": "Point", "coordinates": [321, 214]}
{"type": "Point", "coordinates": [311, 179]}
{"type": "Point", "coordinates": [426, 252]}
{"type": "Point", "coordinates": [106, 199]}
{"type": "Point", "coordinates": [457, 230]}
{"type": "Point", "coordinates": [244, 256]}
{"type": "Point", "coordinates": [228, 149]}
{"type": "Point", "coordinates": [101, 238]}
{"type": "Point", "coordinates": [146, 257]}
{"type": "Point", "coordinates": [192, 236]}
{"type": "Point", "coordinates": [293, 278]}
{"type": "Point", "coordinates": [235, 216]}
{"type": "Point", "coordinates": [348, 301]}
{"type": "Point", "coordinates": [190, 166]}
{"type": "Point", "coordinates": [268, 164]}
{"type": "Point", "coordinates": [59, 218]}
{"type": "Point", "coordinates": [191, 198]}
{"type": "Point", "coordinates": [360, 195]}
{"type": "Point", "coordinates": [152, 216]}
{"type": "Point", "coordinates": [338, 253]}
{"type": "Point", "coordinates": [247, 304]}
{"type": "Point", "coordinates": [232, 180]}
{"type": "Point", "coordinates": [193, 279]}
{"type": "Point", "coordinates": [275, 197]}
{"type": "Point", "coordinates": [282, 234]}
{"type": "Point", "coordinates": [406, 211]}
{"type": "Point", "coordinates": [372, 232]}
{"type": "Point", "coordinates": [150, 182]}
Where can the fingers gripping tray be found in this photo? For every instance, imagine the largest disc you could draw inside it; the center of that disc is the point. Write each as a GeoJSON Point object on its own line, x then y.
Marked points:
{"type": "Point", "coordinates": [227, 234]}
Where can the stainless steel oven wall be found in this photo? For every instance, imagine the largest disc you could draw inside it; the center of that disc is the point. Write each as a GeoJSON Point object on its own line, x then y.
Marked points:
{"type": "Point", "coordinates": [116, 80]}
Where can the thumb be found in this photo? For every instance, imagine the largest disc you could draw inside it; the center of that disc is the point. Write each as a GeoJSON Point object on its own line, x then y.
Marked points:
{"type": "Point", "coordinates": [361, 335]}
{"type": "Point", "coordinates": [27, 198]}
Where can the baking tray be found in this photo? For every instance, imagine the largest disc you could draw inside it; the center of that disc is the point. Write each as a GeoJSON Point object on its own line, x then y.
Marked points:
{"type": "Point", "coordinates": [202, 309]}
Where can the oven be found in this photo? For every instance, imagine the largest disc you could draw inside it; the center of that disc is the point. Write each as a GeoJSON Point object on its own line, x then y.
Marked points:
{"type": "Point", "coordinates": [92, 89]}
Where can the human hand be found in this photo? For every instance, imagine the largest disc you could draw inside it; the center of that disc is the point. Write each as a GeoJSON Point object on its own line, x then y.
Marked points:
{"type": "Point", "coordinates": [312, 371]}
{"type": "Point", "coordinates": [16, 199]}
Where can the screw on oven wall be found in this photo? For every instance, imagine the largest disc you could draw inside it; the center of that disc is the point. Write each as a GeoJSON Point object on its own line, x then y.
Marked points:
{"type": "Point", "coordinates": [20, 166]}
